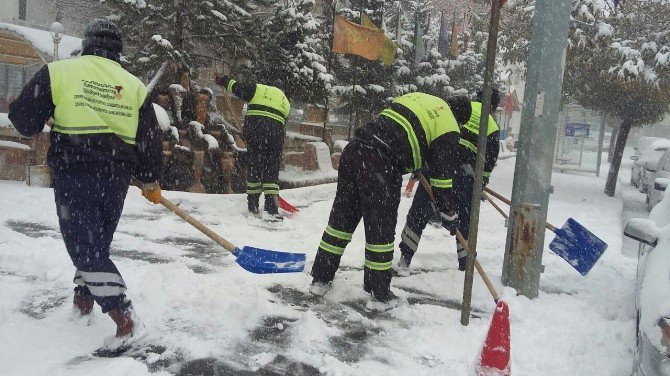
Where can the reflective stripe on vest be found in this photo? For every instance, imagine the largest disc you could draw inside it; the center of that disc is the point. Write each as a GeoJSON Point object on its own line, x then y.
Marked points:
{"type": "Point", "coordinates": [270, 96]}
{"type": "Point", "coordinates": [434, 115]}
{"type": "Point", "coordinates": [473, 125]}
{"type": "Point", "coordinates": [94, 95]}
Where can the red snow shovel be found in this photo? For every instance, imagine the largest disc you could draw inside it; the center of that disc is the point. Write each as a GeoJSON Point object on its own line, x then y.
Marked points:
{"type": "Point", "coordinates": [573, 242]}
{"type": "Point", "coordinates": [255, 260]}
{"type": "Point", "coordinates": [286, 206]}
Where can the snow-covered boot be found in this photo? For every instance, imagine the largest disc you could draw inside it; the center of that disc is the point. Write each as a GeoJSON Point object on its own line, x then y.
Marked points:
{"type": "Point", "coordinates": [383, 301]}
{"type": "Point", "coordinates": [402, 267]}
{"type": "Point", "coordinates": [83, 300]}
{"type": "Point", "coordinates": [129, 329]}
{"type": "Point", "coordinates": [319, 288]}
{"type": "Point", "coordinates": [272, 208]}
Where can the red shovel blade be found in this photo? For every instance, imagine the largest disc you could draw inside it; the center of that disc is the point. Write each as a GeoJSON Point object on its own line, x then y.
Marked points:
{"type": "Point", "coordinates": [286, 206]}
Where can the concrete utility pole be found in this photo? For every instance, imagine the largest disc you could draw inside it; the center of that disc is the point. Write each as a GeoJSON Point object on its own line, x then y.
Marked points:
{"type": "Point", "coordinates": [532, 175]}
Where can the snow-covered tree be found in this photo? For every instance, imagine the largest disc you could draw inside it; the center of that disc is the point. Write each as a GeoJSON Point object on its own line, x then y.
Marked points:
{"type": "Point", "coordinates": [193, 33]}
{"type": "Point", "coordinates": [290, 52]}
{"type": "Point", "coordinates": [619, 63]}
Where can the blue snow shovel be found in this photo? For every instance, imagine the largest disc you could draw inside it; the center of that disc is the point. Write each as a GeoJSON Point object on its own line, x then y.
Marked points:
{"type": "Point", "coordinates": [255, 260]}
{"type": "Point", "coordinates": [573, 242]}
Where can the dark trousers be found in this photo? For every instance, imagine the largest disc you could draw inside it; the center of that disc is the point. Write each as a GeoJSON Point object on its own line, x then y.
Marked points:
{"type": "Point", "coordinates": [368, 187]}
{"type": "Point", "coordinates": [421, 212]}
{"type": "Point", "coordinates": [265, 140]}
{"type": "Point", "coordinates": [89, 201]}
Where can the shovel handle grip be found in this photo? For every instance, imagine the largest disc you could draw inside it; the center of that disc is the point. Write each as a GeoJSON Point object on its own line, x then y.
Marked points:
{"type": "Point", "coordinates": [504, 199]}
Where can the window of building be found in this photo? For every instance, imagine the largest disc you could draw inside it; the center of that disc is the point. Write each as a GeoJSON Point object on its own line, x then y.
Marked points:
{"type": "Point", "coordinates": [23, 8]}
{"type": "Point", "coordinates": [12, 80]}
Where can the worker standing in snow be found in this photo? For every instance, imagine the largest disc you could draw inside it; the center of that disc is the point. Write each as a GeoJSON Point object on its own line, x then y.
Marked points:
{"type": "Point", "coordinates": [416, 129]}
{"type": "Point", "coordinates": [104, 132]}
{"type": "Point", "coordinates": [421, 210]}
{"type": "Point", "coordinates": [264, 133]}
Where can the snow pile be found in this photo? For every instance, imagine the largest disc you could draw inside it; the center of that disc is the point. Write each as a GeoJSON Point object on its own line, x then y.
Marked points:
{"type": "Point", "coordinates": [13, 145]}
{"type": "Point", "coordinates": [212, 143]}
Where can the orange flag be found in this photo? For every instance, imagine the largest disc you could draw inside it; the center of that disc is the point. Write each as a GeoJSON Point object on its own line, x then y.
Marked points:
{"type": "Point", "coordinates": [389, 47]}
{"type": "Point", "coordinates": [350, 38]}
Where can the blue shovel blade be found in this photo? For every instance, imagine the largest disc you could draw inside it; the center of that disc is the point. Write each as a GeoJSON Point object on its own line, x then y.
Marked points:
{"type": "Point", "coordinates": [578, 246]}
{"type": "Point", "coordinates": [262, 261]}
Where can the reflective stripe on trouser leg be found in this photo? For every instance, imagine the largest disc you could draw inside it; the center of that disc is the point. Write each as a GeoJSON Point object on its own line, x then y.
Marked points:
{"type": "Point", "coordinates": [409, 239]}
{"type": "Point", "coordinates": [101, 284]}
{"type": "Point", "coordinates": [460, 251]}
{"type": "Point", "coordinates": [377, 270]}
{"type": "Point", "coordinates": [331, 248]}
{"type": "Point", "coordinates": [270, 189]}
{"type": "Point", "coordinates": [253, 188]}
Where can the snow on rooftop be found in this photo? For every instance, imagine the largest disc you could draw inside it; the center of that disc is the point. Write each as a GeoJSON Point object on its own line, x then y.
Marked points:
{"type": "Point", "coordinates": [42, 41]}
{"type": "Point", "coordinates": [662, 144]}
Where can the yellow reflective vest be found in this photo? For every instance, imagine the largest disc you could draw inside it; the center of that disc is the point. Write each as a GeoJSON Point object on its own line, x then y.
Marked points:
{"type": "Point", "coordinates": [434, 115]}
{"type": "Point", "coordinates": [469, 141]}
{"type": "Point", "coordinates": [95, 95]}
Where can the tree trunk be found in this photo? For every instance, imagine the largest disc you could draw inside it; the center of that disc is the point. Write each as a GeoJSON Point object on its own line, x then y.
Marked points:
{"type": "Point", "coordinates": [610, 151]}
{"type": "Point", "coordinates": [621, 139]}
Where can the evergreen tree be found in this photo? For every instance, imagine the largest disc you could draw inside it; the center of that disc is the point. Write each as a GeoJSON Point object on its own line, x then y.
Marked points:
{"type": "Point", "coordinates": [290, 53]}
{"type": "Point", "coordinates": [193, 33]}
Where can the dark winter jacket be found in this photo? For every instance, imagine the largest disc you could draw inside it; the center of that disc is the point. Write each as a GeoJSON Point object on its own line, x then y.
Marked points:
{"type": "Point", "coordinates": [391, 138]}
{"type": "Point", "coordinates": [34, 106]}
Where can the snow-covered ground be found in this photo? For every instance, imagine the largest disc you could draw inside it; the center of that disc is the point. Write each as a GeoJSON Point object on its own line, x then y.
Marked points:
{"type": "Point", "coordinates": [208, 316]}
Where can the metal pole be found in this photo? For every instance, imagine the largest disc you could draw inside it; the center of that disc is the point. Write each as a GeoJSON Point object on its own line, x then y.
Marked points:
{"type": "Point", "coordinates": [534, 161]}
{"type": "Point", "coordinates": [491, 47]}
{"type": "Point", "coordinates": [329, 67]}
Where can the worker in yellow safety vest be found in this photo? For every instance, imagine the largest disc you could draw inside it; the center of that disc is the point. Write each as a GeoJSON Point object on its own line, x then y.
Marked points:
{"type": "Point", "coordinates": [104, 131]}
{"type": "Point", "coordinates": [267, 111]}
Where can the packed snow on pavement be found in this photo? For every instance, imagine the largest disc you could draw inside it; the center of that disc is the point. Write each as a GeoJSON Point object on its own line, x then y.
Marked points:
{"type": "Point", "coordinates": [206, 315]}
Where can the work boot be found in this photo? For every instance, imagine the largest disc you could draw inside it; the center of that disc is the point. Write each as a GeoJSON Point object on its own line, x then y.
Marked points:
{"type": "Point", "coordinates": [402, 267]}
{"type": "Point", "coordinates": [123, 318]}
{"type": "Point", "coordinates": [320, 288]}
{"type": "Point", "coordinates": [83, 300]}
{"type": "Point", "coordinates": [271, 207]}
{"type": "Point", "coordinates": [383, 301]}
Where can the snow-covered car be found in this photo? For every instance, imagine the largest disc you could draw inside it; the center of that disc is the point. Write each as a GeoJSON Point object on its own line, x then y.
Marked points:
{"type": "Point", "coordinates": [643, 144]}
{"type": "Point", "coordinates": [660, 181]}
{"type": "Point", "coordinates": [650, 163]}
{"type": "Point", "coordinates": [652, 300]}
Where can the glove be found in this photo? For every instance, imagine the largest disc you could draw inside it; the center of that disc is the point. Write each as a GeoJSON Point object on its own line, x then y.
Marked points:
{"type": "Point", "coordinates": [221, 80]}
{"type": "Point", "coordinates": [485, 182]}
{"type": "Point", "coordinates": [450, 221]}
{"type": "Point", "coordinates": [152, 192]}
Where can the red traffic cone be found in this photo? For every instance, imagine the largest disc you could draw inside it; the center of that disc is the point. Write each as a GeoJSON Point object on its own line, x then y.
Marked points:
{"type": "Point", "coordinates": [494, 359]}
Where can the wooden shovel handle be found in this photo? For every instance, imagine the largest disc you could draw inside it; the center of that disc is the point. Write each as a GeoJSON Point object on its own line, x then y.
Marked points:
{"type": "Point", "coordinates": [504, 199]}
{"type": "Point", "coordinates": [464, 243]}
{"type": "Point", "coordinates": [195, 223]}
{"type": "Point", "coordinates": [230, 247]}
{"type": "Point", "coordinates": [480, 270]}
{"type": "Point", "coordinates": [495, 205]}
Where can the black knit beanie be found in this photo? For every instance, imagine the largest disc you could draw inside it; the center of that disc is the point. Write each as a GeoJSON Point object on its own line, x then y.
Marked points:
{"type": "Point", "coordinates": [102, 34]}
